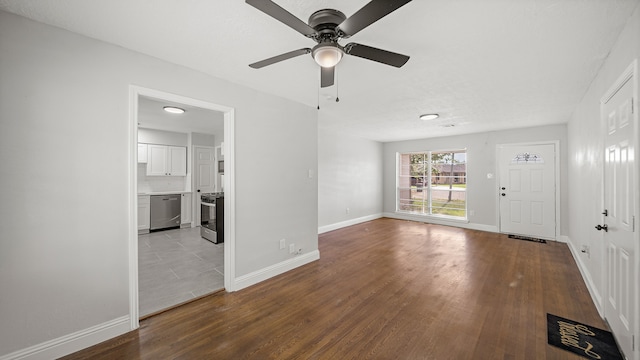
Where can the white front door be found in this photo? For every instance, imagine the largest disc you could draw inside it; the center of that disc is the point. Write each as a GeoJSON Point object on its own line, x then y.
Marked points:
{"type": "Point", "coordinates": [619, 215]}
{"type": "Point", "coordinates": [527, 190]}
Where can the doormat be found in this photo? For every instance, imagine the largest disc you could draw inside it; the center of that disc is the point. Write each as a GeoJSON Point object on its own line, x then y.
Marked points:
{"type": "Point", "coordinates": [520, 237]}
{"type": "Point", "coordinates": [584, 340]}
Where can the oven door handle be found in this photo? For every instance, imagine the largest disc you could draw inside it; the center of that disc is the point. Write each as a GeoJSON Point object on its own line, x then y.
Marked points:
{"type": "Point", "coordinates": [208, 204]}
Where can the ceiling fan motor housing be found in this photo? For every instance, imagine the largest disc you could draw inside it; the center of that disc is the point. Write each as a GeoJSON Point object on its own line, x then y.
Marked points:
{"type": "Point", "coordinates": [325, 22]}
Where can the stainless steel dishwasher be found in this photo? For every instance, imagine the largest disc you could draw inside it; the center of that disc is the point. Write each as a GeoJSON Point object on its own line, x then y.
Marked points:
{"type": "Point", "coordinates": [165, 211]}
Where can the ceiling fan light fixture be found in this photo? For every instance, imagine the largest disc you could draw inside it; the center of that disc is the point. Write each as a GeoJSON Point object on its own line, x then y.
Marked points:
{"type": "Point", "coordinates": [173, 109]}
{"type": "Point", "coordinates": [327, 55]}
{"type": "Point", "coordinates": [428, 117]}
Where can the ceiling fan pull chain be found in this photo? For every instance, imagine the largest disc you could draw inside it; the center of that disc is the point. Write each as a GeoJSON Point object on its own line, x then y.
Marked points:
{"type": "Point", "coordinates": [319, 81]}
{"type": "Point", "coordinates": [337, 83]}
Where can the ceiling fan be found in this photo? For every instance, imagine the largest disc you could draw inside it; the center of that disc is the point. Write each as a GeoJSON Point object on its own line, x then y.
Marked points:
{"type": "Point", "coordinates": [327, 27]}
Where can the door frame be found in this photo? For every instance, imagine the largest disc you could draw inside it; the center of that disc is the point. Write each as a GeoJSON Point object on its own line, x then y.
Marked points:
{"type": "Point", "coordinates": [629, 74]}
{"type": "Point", "coordinates": [556, 145]}
{"type": "Point", "coordinates": [229, 185]}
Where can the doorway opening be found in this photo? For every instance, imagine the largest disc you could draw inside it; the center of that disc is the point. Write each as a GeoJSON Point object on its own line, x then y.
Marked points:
{"type": "Point", "coordinates": [191, 256]}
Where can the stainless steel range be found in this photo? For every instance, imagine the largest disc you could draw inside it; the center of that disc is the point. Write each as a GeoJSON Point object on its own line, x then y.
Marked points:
{"type": "Point", "coordinates": [212, 217]}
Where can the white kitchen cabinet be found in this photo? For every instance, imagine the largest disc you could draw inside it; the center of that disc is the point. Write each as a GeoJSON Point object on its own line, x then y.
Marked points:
{"type": "Point", "coordinates": [177, 160]}
{"type": "Point", "coordinates": [157, 160]}
{"type": "Point", "coordinates": [144, 213]}
{"type": "Point", "coordinates": [185, 211]}
{"type": "Point", "coordinates": [163, 160]}
{"type": "Point", "coordinates": [142, 153]}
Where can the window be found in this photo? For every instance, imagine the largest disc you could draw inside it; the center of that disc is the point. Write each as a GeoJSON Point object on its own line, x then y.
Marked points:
{"type": "Point", "coordinates": [433, 183]}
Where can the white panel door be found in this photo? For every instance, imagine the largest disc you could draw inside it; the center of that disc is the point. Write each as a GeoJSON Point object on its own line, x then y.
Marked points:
{"type": "Point", "coordinates": [527, 190]}
{"type": "Point", "coordinates": [204, 166]}
{"type": "Point", "coordinates": [619, 216]}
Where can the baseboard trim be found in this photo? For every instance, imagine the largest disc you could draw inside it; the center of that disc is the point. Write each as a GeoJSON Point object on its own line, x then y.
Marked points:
{"type": "Point", "coordinates": [432, 220]}
{"type": "Point", "coordinates": [71, 343]}
{"type": "Point", "coordinates": [342, 224]}
{"type": "Point", "coordinates": [586, 276]}
{"type": "Point", "coordinates": [255, 277]}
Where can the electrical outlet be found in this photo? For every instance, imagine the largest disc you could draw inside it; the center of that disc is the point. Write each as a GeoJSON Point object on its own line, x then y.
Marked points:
{"type": "Point", "coordinates": [472, 212]}
{"type": "Point", "coordinates": [283, 244]}
{"type": "Point", "coordinates": [292, 248]}
{"type": "Point", "coordinates": [347, 210]}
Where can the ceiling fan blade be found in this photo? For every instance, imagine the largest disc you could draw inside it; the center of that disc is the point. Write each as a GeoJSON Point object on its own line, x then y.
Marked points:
{"type": "Point", "coordinates": [281, 57]}
{"type": "Point", "coordinates": [327, 76]}
{"type": "Point", "coordinates": [368, 14]}
{"type": "Point", "coordinates": [375, 54]}
{"type": "Point", "coordinates": [275, 11]}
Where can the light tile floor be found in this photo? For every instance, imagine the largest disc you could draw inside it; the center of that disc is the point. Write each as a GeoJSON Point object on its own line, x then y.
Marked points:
{"type": "Point", "coordinates": [175, 266]}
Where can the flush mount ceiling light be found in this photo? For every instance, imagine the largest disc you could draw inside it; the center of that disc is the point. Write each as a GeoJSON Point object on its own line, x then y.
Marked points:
{"type": "Point", "coordinates": [327, 54]}
{"type": "Point", "coordinates": [429, 116]}
{"type": "Point", "coordinates": [173, 109]}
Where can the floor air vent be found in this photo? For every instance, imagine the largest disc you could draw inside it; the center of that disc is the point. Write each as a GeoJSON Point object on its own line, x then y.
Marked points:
{"type": "Point", "coordinates": [520, 237]}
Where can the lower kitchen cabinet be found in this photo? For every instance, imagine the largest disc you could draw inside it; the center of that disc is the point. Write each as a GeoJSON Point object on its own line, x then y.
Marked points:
{"type": "Point", "coordinates": [185, 211]}
{"type": "Point", "coordinates": [144, 213]}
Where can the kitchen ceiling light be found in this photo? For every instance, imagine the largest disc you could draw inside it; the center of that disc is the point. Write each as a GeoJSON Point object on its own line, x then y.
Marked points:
{"type": "Point", "coordinates": [429, 116]}
{"type": "Point", "coordinates": [173, 109]}
{"type": "Point", "coordinates": [327, 55]}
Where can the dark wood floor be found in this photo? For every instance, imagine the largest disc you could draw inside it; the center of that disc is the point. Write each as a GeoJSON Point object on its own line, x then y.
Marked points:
{"type": "Point", "coordinates": [386, 289]}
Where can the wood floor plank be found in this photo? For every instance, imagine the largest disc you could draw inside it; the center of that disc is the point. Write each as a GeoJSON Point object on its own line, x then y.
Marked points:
{"type": "Point", "coordinates": [385, 289]}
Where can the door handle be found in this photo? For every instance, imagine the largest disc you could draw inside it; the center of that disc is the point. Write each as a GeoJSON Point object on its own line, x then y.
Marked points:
{"type": "Point", "coordinates": [503, 188]}
{"type": "Point", "coordinates": [602, 227]}
{"type": "Point", "coordinates": [503, 194]}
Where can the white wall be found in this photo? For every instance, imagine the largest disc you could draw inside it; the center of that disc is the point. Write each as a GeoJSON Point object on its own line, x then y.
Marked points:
{"type": "Point", "coordinates": [349, 176]}
{"type": "Point", "coordinates": [64, 216]}
{"type": "Point", "coordinates": [205, 139]}
{"type": "Point", "coordinates": [585, 138]}
{"type": "Point", "coordinates": [161, 137]}
{"type": "Point", "coordinates": [481, 157]}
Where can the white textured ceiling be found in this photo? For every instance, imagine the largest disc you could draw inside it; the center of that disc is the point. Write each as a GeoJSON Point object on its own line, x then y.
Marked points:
{"type": "Point", "coordinates": [152, 115]}
{"type": "Point", "coordinates": [482, 64]}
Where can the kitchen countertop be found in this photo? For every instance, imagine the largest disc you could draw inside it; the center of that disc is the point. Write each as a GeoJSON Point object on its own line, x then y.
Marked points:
{"type": "Point", "coordinates": [163, 192]}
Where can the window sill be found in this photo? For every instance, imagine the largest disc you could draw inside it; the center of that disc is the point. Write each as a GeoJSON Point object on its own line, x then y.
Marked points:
{"type": "Point", "coordinates": [437, 218]}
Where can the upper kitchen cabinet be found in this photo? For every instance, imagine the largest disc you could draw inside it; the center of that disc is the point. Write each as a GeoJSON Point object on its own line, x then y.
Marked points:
{"type": "Point", "coordinates": [163, 160]}
{"type": "Point", "coordinates": [142, 153]}
{"type": "Point", "coordinates": [177, 160]}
